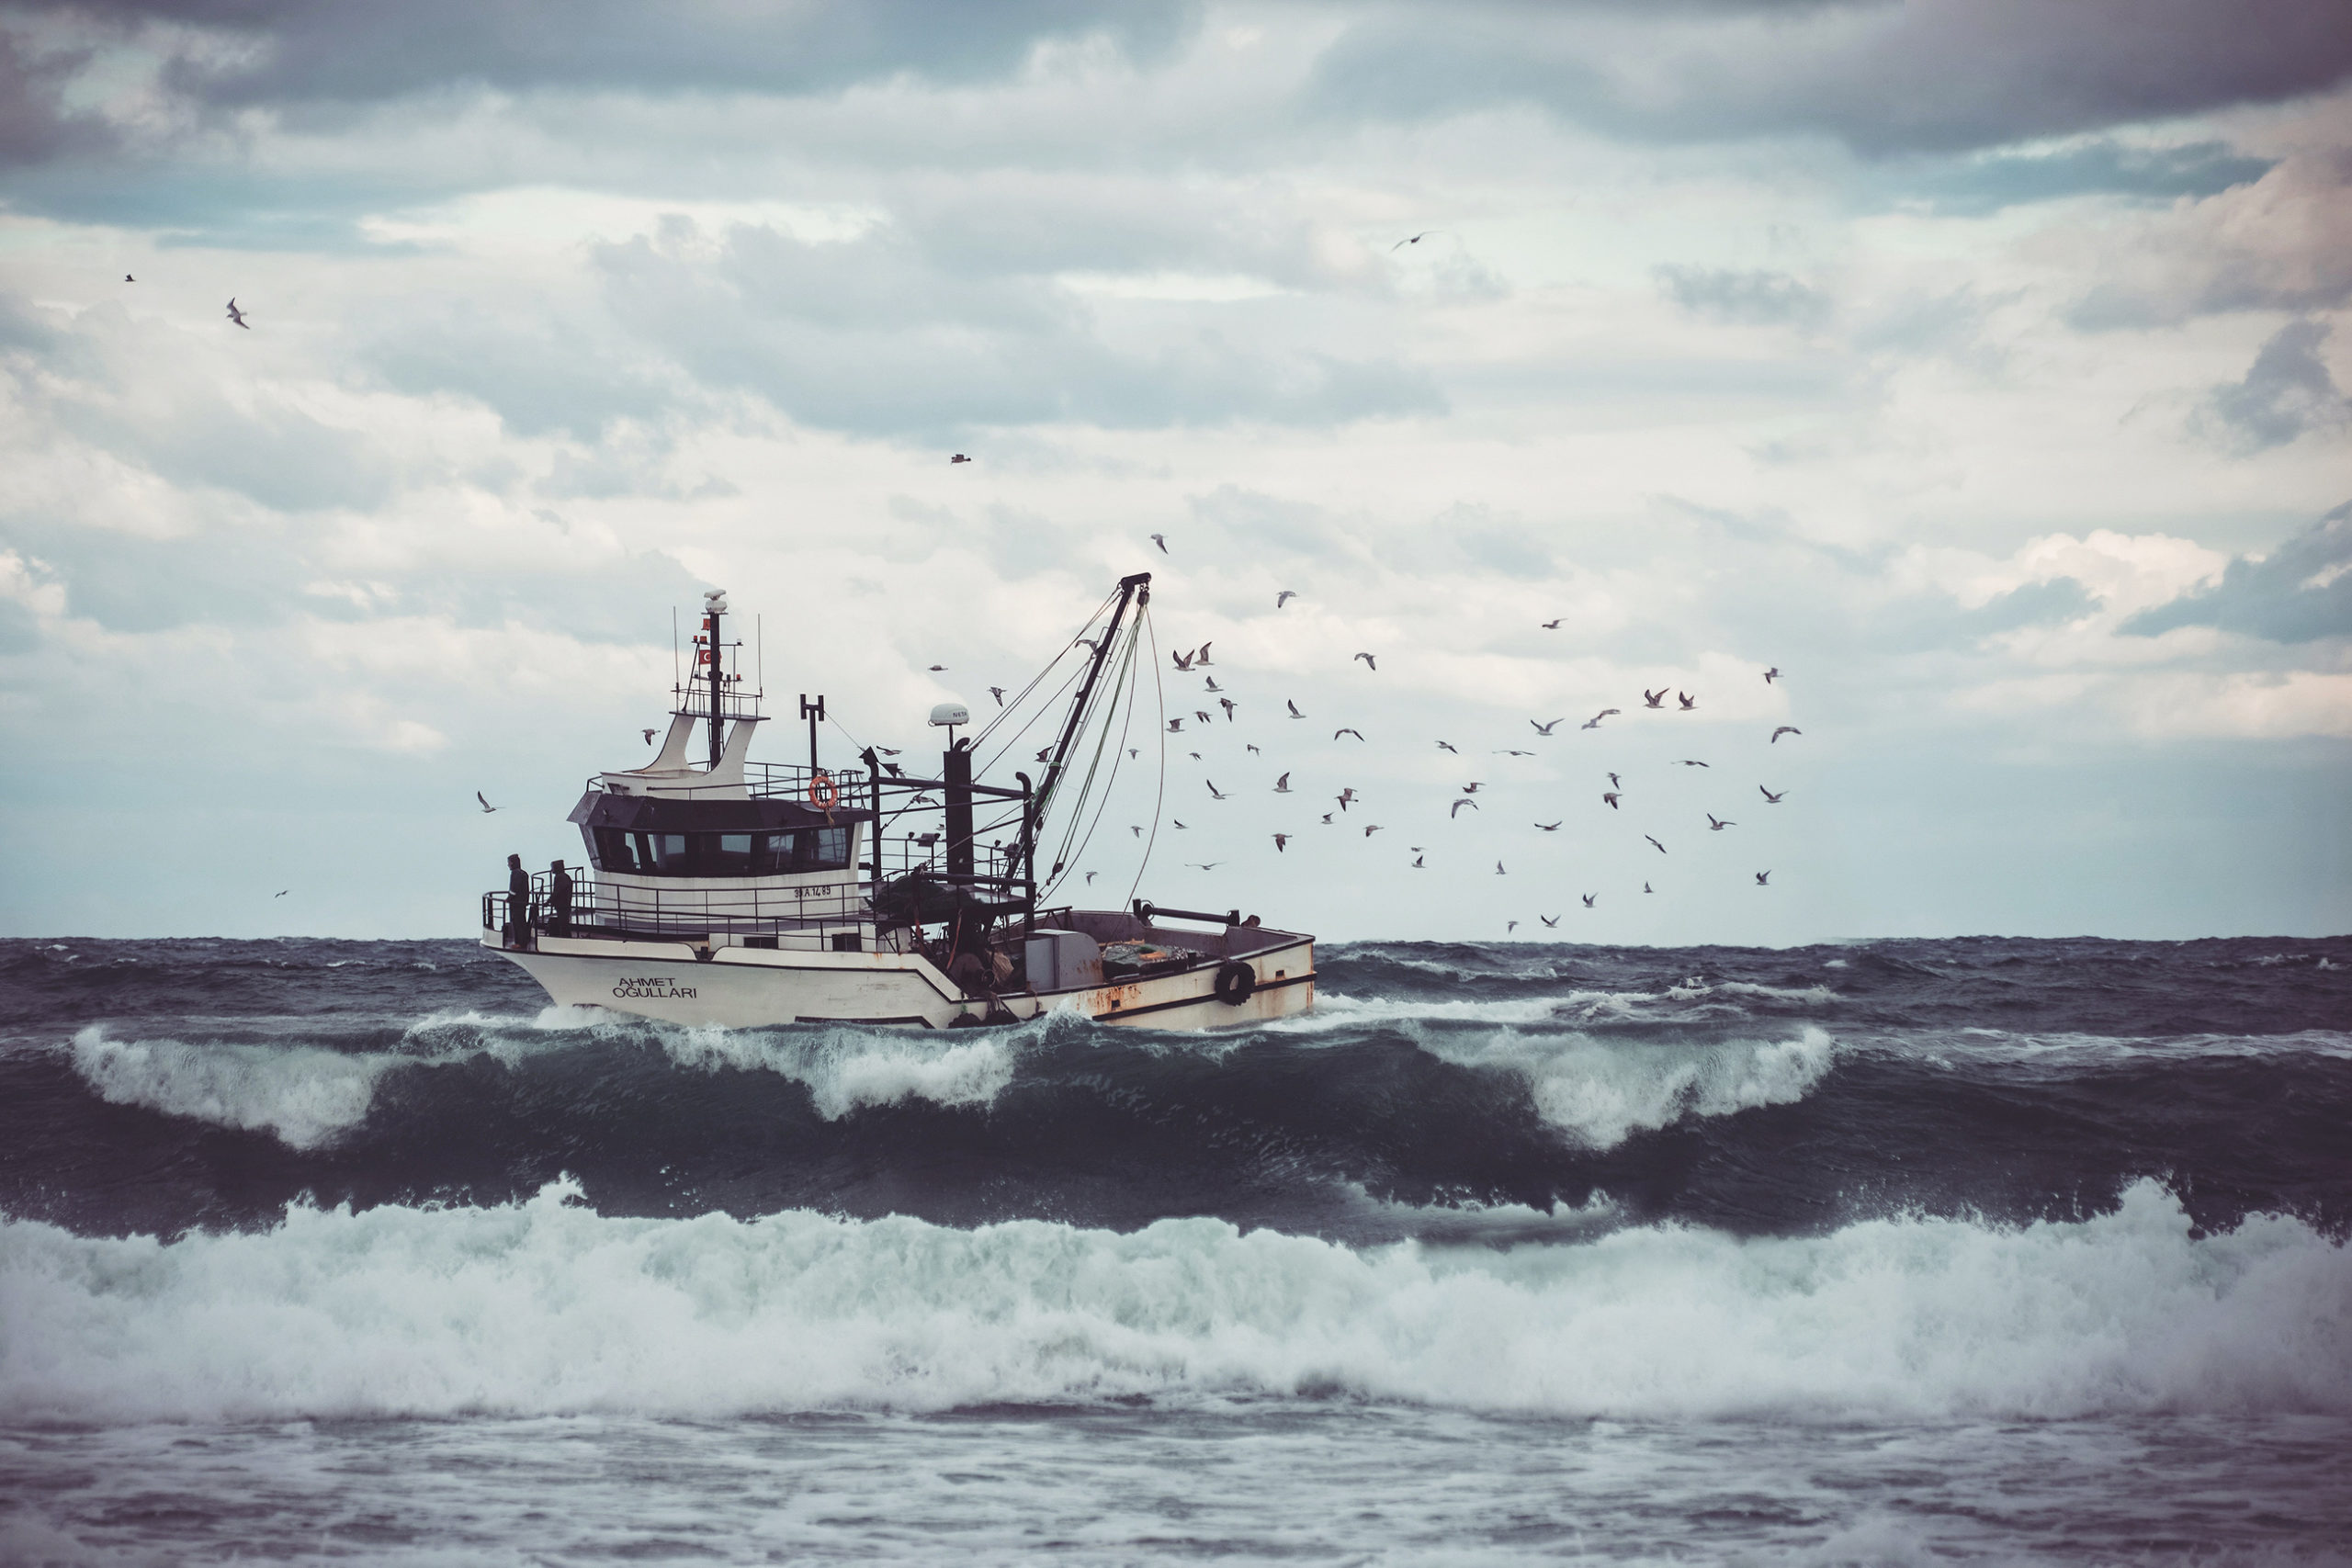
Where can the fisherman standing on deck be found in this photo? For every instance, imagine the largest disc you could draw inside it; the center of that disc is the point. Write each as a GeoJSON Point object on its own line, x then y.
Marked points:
{"type": "Point", "coordinates": [518, 902]}
{"type": "Point", "coordinates": [559, 899]}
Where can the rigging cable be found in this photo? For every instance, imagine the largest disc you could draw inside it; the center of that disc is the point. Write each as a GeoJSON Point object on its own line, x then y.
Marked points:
{"type": "Point", "coordinates": [1101, 695]}
{"type": "Point", "coordinates": [1127, 670]}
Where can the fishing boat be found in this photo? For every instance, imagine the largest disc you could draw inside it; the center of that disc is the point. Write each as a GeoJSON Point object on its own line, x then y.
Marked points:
{"type": "Point", "coordinates": [722, 891]}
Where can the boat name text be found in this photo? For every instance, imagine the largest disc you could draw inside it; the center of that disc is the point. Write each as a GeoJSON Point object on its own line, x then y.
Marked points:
{"type": "Point", "coordinates": [651, 986]}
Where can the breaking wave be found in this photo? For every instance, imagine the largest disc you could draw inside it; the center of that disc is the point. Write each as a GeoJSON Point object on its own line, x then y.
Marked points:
{"type": "Point", "coordinates": [544, 1307]}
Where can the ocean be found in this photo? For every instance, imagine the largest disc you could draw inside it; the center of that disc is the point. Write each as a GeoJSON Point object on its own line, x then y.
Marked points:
{"type": "Point", "coordinates": [1982, 1250]}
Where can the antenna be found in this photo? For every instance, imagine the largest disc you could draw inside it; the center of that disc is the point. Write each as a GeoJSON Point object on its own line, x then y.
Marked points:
{"type": "Point", "coordinates": [812, 711]}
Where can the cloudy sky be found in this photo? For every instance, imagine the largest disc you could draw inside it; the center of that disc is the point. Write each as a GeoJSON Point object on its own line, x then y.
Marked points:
{"type": "Point", "coordinates": [1981, 363]}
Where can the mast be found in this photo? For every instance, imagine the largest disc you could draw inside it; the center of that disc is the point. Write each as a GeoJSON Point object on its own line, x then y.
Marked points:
{"type": "Point", "coordinates": [1136, 589]}
{"type": "Point", "coordinates": [714, 607]}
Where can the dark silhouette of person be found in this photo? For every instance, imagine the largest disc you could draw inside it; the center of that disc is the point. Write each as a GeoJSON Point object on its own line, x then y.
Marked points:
{"type": "Point", "coordinates": [518, 902]}
{"type": "Point", "coordinates": [559, 899]}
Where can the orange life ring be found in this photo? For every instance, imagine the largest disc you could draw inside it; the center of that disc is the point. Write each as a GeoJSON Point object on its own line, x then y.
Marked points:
{"type": "Point", "coordinates": [823, 793]}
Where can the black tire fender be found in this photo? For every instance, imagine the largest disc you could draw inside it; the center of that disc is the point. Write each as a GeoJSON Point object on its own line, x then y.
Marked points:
{"type": "Point", "coordinates": [1235, 982]}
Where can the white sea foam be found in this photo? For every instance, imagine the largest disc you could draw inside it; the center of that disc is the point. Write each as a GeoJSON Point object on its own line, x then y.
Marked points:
{"type": "Point", "coordinates": [846, 1068]}
{"type": "Point", "coordinates": [1603, 1091]}
{"type": "Point", "coordinates": [545, 1307]}
{"type": "Point", "coordinates": [303, 1095]}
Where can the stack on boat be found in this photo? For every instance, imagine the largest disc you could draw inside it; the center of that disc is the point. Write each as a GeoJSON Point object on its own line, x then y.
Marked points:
{"type": "Point", "coordinates": [735, 893]}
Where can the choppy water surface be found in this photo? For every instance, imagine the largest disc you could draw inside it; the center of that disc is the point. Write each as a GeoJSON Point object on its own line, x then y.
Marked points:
{"type": "Point", "coordinates": [1978, 1250]}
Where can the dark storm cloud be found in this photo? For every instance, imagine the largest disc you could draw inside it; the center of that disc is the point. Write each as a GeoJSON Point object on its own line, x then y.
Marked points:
{"type": "Point", "coordinates": [1932, 75]}
{"type": "Point", "coordinates": [1748, 298]}
{"type": "Point", "coordinates": [2300, 593]}
{"type": "Point", "coordinates": [2286, 390]}
{"type": "Point", "coordinates": [296, 51]}
{"type": "Point", "coordinates": [1976, 186]}
{"type": "Point", "coordinates": [875, 336]}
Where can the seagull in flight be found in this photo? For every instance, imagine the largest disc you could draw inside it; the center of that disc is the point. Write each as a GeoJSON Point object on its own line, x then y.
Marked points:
{"type": "Point", "coordinates": [1327, 820]}
{"type": "Point", "coordinates": [1280, 841]}
{"type": "Point", "coordinates": [1414, 240]}
{"type": "Point", "coordinates": [1613, 783]}
{"type": "Point", "coordinates": [1214, 790]}
{"type": "Point", "coordinates": [1251, 747]}
{"type": "Point", "coordinates": [238, 316]}
{"type": "Point", "coordinates": [1588, 899]}
{"type": "Point", "coordinates": [1183, 660]}
{"type": "Point", "coordinates": [1045, 754]}
{"type": "Point", "coordinates": [1447, 746]}
{"type": "Point", "coordinates": [1282, 785]}
{"type": "Point", "coordinates": [1175, 727]}
{"type": "Point", "coordinates": [1513, 752]}
{"type": "Point", "coordinates": [1770, 798]}
{"type": "Point", "coordinates": [1418, 864]}
{"type": "Point", "coordinates": [1687, 699]}
{"type": "Point", "coordinates": [486, 805]}
{"type": "Point", "coordinates": [1554, 625]}
{"type": "Point", "coordinates": [1284, 597]}
{"type": "Point", "coordinates": [938, 667]}
{"type": "Point", "coordinates": [1647, 888]}
{"type": "Point", "coordinates": [1652, 699]}
{"type": "Point", "coordinates": [1594, 722]}
{"type": "Point", "coordinates": [1205, 864]}
{"type": "Point", "coordinates": [1201, 658]}
{"type": "Point", "coordinates": [1346, 796]}
{"type": "Point", "coordinates": [1547, 728]}
{"type": "Point", "coordinates": [1370, 829]}
{"type": "Point", "coordinates": [127, 279]}
{"type": "Point", "coordinates": [1473, 788]}
{"type": "Point", "coordinates": [1654, 844]}
{"type": "Point", "coordinates": [1551, 826]}
{"type": "Point", "coordinates": [998, 692]}
{"type": "Point", "coordinates": [649, 737]}
{"type": "Point", "coordinates": [1347, 729]}
{"type": "Point", "coordinates": [1458, 805]}
{"type": "Point", "coordinates": [1717, 824]}
{"type": "Point", "coordinates": [1185, 826]}
{"type": "Point", "coordinates": [1609, 797]}
{"type": "Point", "coordinates": [1773, 674]}
{"type": "Point", "coordinates": [1201, 716]}
{"type": "Point", "coordinates": [1228, 705]}
{"type": "Point", "coordinates": [283, 891]}
{"type": "Point", "coordinates": [1212, 685]}
{"type": "Point", "coordinates": [1510, 926]}
{"type": "Point", "coordinates": [1550, 922]}
{"type": "Point", "coordinates": [1091, 876]}
{"type": "Point", "coordinates": [1137, 831]}
{"type": "Point", "coordinates": [1688, 763]}
{"type": "Point", "coordinates": [1499, 870]}
{"type": "Point", "coordinates": [1785, 729]}
{"type": "Point", "coordinates": [1763, 879]}
{"type": "Point", "coordinates": [1369, 663]}
{"type": "Point", "coordinates": [959, 457]}
{"type": "Point", "coordinates": [1161, 540]}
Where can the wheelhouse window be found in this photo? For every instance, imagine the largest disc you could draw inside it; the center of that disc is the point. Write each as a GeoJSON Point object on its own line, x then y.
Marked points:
{"type": "Point", "coordinates": [722, 854]}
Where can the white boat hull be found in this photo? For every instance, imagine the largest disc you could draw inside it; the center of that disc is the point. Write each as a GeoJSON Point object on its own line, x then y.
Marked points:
{"type": "Point", "coordinates": [748, 988]}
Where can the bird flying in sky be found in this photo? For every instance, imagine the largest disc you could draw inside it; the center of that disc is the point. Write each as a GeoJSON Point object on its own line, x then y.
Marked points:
{"type": "Point", "coordinates": [238, 316]}
{"type": "Point", "coordinates": [1284, 597]}
{"type": "Point", "coordinates": [1717, 824]}
{"type": "Point", "coordinates": [1594, 722]}
{"type": "Point", "coordinates": [1161, 540]}
{"type": "Point", "coordinates": [1785, 729]}
{"type": "Point", "coordinates": [1347, 729]}
{"type": "Point", "coordinates": [1687, 699]}
{"type": "Point", "coordinates": [1763, 879]}
{"type": "Point", "coordinates": [1654, 844]}
{"type": "Point", "coordinates": [1768, 795]}
{"type": "Point", "coordinates": [1369, 662]}
{"type": "Point", "coordinates": [486, 805]}
{"type": "Point", "coordinates": [1547, 728]}
{"type": "Point", "coordinates": [1293, 708]}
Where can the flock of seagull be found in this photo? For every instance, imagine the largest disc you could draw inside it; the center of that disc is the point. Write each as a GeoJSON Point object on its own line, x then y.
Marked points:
{"type": "Point", "coordinates": [1198, 661]}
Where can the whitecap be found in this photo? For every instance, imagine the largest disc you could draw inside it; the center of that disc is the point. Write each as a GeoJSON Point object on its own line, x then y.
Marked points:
{"type": "Point", "coordinates": [547, 1308]}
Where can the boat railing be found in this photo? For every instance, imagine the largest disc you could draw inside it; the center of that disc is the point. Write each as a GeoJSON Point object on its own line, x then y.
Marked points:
{"type": "Point", "coordinates": [811, 916]}
{"type": "Point", "coordinates": [773, 781]}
